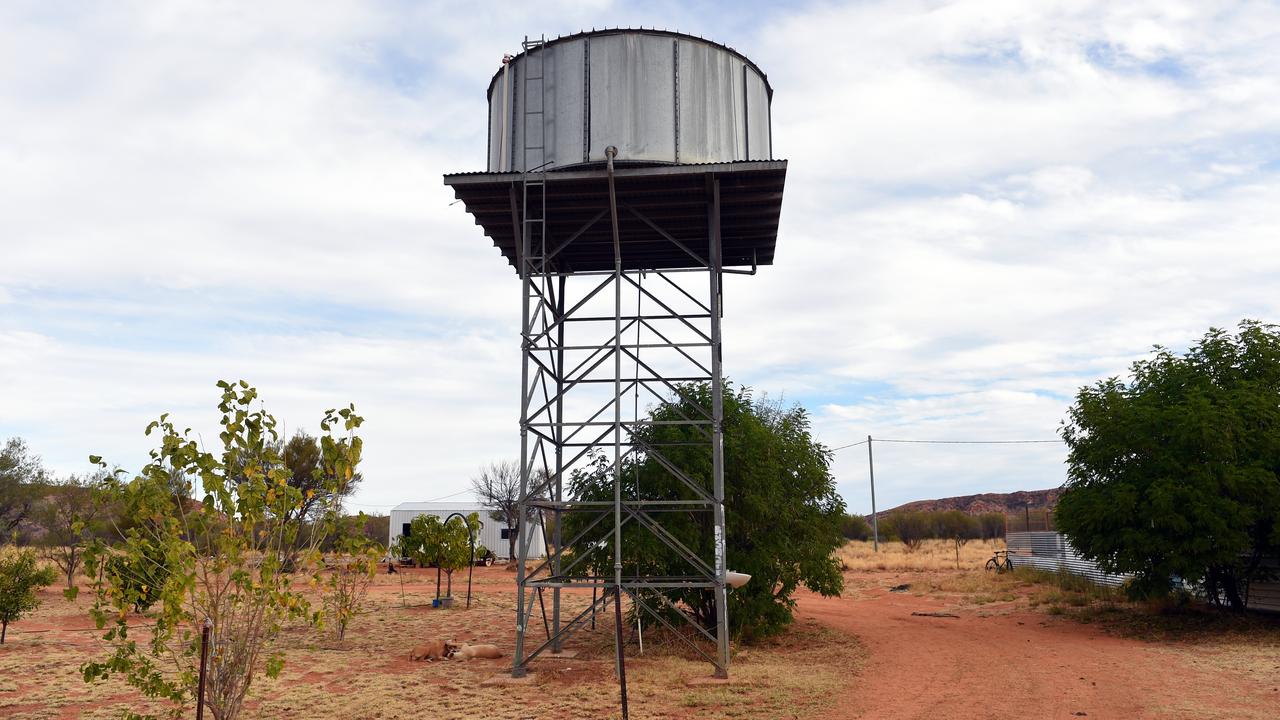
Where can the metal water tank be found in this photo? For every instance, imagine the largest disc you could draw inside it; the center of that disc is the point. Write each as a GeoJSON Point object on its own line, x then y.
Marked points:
{"type": "Point", "coordinates": [658, 96]}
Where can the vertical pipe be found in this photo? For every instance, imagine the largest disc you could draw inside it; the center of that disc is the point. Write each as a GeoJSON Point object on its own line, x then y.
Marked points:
{"type": "Point", "coordinates": [717, 432]}
{"type": "Point", "coordinates": [204, 658]}
{"type": "Point", "coordinates": [617, 638]}
{"type": "Point", "coordinates": [506, 121]}
{"type": "Point", "coordinates": [518, 666]}
{"type": "Point", "coordinates": [875, 520]}
{"type": "Point", "coordinates": [557, 535]}
{"type": "Point", "coordinates": [610, 152]}
{"type": "Point", "coordinates": [471, 538]}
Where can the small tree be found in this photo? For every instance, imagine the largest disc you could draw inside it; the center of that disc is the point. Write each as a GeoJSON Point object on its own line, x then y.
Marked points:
{"type": "Point", "coordinates": [444, 545]}
{"type": "Point", "coordinates": [855, 527]}
{"type": "Point", "coordinates": [992, 525]}
{"type": "Point", "coordinates": [1175, 474]}
{"type": "Point", "coordinates": [497, 487]}
{"type": "Point", "coordinates": [959, 528]}
{"type": "Point", "coordinates": [224, 558]}
{"type": "Point", "coordinates": [911, 527]}
{"type": "Point", "coordinates": [21, 475]}
{"type": "Point", "coordinates": [351, 569]}
{"type": "Point", "coordinates": [304, 458]}
{"type": "Point", "coordinates": [70, 515]}
{"type": "Point", "coordinates": [376, 528]}
{"type": "Point", "coordinates": [20, 577]}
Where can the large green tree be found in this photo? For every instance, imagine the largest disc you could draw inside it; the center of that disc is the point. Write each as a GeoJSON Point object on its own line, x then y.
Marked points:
{"type": "Point", "coordinates": [1172, 475]}
{"type": "Point", "coordinates": [783, 515]}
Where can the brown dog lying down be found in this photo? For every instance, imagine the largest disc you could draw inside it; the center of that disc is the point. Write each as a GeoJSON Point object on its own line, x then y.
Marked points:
{"type": "Point", "coordinates": [468, 652]}
{"type": "Point", "coordinates": [437, 650]}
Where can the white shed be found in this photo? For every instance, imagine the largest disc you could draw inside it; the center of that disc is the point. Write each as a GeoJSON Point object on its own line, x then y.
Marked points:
{"type": "Point", "coordinates": [493, 533]}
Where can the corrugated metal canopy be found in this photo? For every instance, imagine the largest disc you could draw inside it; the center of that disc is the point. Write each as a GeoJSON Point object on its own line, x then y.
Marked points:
{"type": "Point", "coordinates": [672, 197]}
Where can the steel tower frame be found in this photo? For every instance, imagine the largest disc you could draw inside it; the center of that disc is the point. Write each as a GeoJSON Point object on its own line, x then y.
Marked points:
{"type": "Point", "coordinates": [554, 442]}
{"type": "Point", "coordinates": [558, 440]}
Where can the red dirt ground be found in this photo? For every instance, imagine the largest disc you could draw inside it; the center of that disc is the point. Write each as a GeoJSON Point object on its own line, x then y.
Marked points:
{"type": "Point", "coordinates": [1021, 665]}
{"type": "Point", "coordinates": [997, 660]}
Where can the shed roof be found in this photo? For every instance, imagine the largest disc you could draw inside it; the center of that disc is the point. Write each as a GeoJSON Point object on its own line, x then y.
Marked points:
{"type": "Point", "coordinates": [440, 507]}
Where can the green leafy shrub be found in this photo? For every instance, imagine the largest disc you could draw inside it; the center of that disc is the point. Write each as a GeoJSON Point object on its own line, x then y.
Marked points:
{"type": "Point", "coordinates": [20, 577]}
{"type": "Point", "coordinates": [782, 512]}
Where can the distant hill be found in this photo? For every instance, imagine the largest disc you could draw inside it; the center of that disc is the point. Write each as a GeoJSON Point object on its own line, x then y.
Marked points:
{"type": "Point", "coordinates": [987, 502]}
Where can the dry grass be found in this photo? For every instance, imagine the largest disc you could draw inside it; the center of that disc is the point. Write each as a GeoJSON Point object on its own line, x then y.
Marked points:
{"type": "Point", "coordinates": [932, 555]}
{"type": "Point", "coordinates": [1235, 647]}
{"type": "Point", "coordinates": [369, 675]}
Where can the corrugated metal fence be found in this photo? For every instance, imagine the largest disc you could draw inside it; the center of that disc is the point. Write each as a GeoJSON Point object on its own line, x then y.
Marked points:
{"type": "Point", "coordinates": [1050, 551]}
{"type": "Point", "coordinates": [1029, 520]}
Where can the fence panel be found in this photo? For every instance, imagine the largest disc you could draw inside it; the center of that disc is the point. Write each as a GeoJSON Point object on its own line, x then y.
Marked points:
{"type": "Point", "coordinates": [1050, 551]}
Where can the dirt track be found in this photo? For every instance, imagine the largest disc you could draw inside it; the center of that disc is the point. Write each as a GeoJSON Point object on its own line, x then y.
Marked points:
{"type": "Point", "coordinates": [1032, 665]}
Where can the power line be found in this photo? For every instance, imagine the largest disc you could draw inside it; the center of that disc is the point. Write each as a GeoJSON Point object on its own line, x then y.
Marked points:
{"type": "Point", "coordinates": [451, 495]}
{"type": "Point", "coordinates": [948, 442]}
{"type": "Point", "coordinates": [970, 442]}
{"type": "Point", "coordinates": [391, 505]}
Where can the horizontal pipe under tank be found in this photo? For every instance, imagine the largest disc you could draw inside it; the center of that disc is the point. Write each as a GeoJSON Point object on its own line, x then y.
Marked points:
{"type": "Point", "coordinates": [659, 97]}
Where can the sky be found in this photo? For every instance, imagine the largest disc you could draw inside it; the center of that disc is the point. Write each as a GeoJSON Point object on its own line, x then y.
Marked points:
{"type": "Point", "coordinates": [989, 205]}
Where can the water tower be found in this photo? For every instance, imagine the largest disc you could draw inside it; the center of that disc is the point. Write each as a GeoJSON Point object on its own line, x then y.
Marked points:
{"type": "Point", "coordinates": [628, 171]}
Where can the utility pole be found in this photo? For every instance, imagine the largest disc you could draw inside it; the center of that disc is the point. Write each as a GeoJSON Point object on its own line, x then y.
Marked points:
{"type": "Point", "coordinates": [875, 522]}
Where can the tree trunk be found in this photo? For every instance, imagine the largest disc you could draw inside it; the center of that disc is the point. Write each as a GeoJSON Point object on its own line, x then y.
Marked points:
{"type": "Point", "coordinates": [1211, 587]}
{"type": "Point", "coordinates": [511, 542]}
{"type": "Point", "coordinates": [4, 630]}
{"type": "Point", "coordinates": [1232, 590]}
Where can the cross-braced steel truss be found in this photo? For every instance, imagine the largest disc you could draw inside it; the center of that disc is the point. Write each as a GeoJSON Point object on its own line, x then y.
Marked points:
{"type": "Point", "coordinates": [599, 349]}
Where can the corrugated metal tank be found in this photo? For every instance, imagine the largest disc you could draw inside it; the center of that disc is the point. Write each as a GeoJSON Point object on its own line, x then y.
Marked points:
{"type": "Point", "coordinates": [657, 96]}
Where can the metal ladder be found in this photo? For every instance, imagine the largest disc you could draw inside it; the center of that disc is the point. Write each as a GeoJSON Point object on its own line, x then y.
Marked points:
{"type": "Point", "coordinates": [533, 177]}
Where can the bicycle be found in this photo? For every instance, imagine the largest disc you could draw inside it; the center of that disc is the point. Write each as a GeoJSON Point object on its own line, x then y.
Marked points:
{"type": "Point", "coordinates": [1000, 562]}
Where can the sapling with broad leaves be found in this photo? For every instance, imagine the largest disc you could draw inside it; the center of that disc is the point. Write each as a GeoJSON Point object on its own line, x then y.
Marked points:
{"type": "Point", "coordinates": [351, 567]}
{"type": "Point", "coordinates": [227, 559]}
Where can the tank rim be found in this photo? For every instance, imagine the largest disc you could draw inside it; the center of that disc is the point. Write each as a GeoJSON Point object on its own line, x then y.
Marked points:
{"type": "Point", "coordinates": [640, 31]}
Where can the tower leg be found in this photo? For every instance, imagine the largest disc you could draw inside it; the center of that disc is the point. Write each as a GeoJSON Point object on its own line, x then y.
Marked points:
{"type": "Point", "coordinates": [518, 661]}
{"type": "Point", "coordinates": [717, 437]}
{"type": "Point", "coordinates": [558, 488]}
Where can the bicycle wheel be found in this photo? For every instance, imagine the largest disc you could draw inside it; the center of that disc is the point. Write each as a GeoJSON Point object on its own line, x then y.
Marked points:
{"type": "Point", "coordinates": [993, 564]}
{"type": "Point", "coordinates": [1007, 566]}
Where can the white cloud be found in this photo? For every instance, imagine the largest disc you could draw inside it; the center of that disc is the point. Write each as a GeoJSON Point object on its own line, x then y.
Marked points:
{"type": "Point", "coordinates": [988, 205]}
